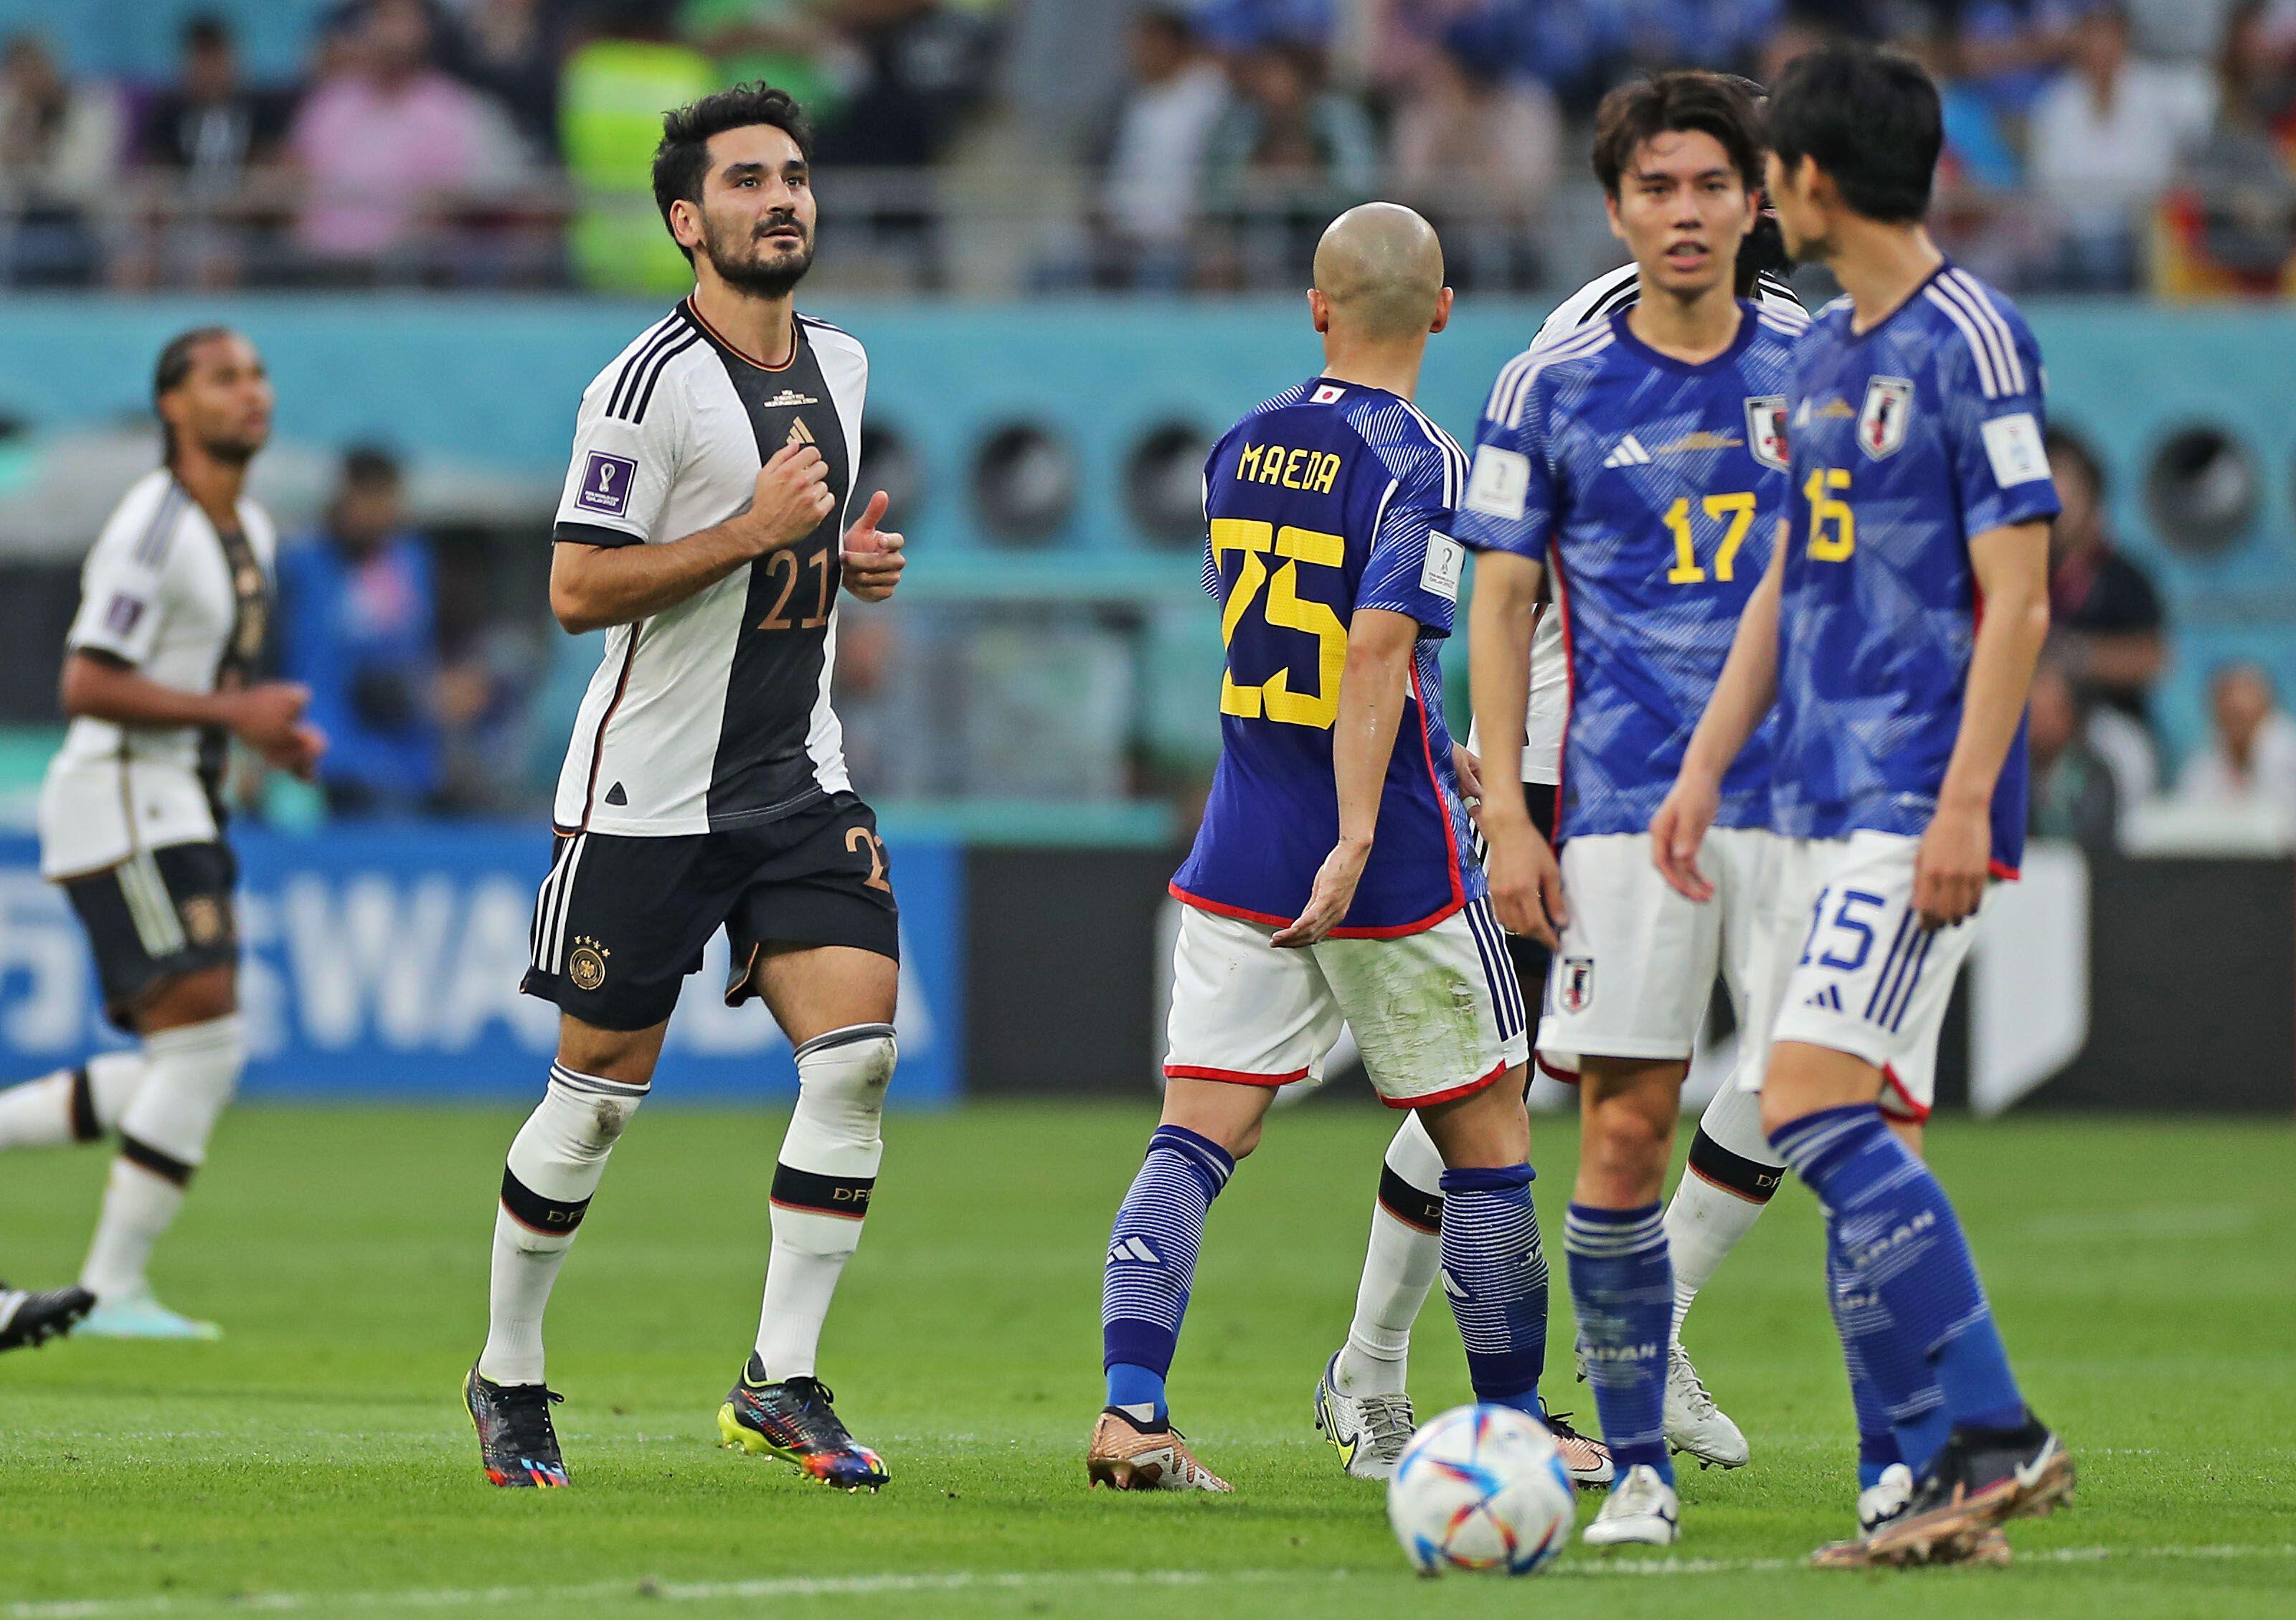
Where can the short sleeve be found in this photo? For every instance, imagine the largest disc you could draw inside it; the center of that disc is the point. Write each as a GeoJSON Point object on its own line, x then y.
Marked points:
{"type": "Point", "coordinates": [1509, 500]}
{"type": "Point", "coordinates": [1414, 566]}
{"type": "Point", "coordinates": [1996, 425]}
{"type": "Point", "coordinates": [625, 457]}
{"type": "Point", "coordinates": [124, 584]}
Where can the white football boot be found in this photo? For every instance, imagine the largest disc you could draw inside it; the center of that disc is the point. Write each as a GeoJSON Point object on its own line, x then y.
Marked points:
{"type": "Point", "coordinates": [1694, 1423]}
{"type": "Point", "coordinates": [1369, 1432]}
{"type": "Point", "coordinates": [1642, 1510]}
{"type": "Point", "coordinates": [140, 1316]}
{"type": "Point", "coordinates": [1885, 1499]}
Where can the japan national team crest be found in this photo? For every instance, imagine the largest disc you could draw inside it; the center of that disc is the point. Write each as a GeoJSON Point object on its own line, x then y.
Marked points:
{"type": "Point", "coordinates": [1766, 430]}
{"type": "Point", "coordinates": [1576, 988]}
{"type": "Point", "coordinates": [1882, 423]}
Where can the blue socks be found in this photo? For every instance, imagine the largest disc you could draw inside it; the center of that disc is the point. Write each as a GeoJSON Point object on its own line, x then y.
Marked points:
{"type": "Point", "coordinates": [1900, 1410]}
{"type": "Point", "coordinates": [1151, 1259]}
{"type": "Point", "coordinates": [1494, 1275]}
{"type": "Point", "coordinates": [1622, 1284]}
{"type": "Point", "coordinates": [1901, 1242]}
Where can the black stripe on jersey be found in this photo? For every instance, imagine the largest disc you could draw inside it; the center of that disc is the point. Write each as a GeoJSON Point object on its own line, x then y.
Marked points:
{"type": "Point", "coordinates": [653, 373]}
{"type": "Point", "coordinates": [808, 320]}
{"type": "Point", "coordinates": [647, 348]}
{"type": "Point", "coordinates": [591, 534]}
{"type": "Point", "coordinates": [1624, 298]}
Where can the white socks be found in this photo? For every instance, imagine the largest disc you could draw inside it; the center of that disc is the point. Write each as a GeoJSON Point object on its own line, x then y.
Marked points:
{"type": "Point", "coordinates": [821, 1187]}
{"type": "Point", "coordinates": [1407, 1251]}
{"type": "Point", "coordinates": [81, 1104]}
{"type": "Point", "coordinates": [554, 1166]}
{"type": "Point", "coordinates": [1732, 1173]}
{"type": "Point", "coordinates": [189, 1077]}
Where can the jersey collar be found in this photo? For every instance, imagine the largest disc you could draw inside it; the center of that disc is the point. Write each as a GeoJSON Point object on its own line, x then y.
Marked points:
{"type": "Point", "coordinates": [1747, 319]}
{"type": "Point", "coordinates": [726, 346]}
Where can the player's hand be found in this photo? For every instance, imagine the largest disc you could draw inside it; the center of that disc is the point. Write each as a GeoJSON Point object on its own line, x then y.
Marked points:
{"type": "Point", "coordinates": [791, 497]}
{"type": "Point", "coordinates": [1329, 900]}
{"type": "Point", "coordinates": [1526, 884]}
{"type": "Point", "coordinates": [1952, 865]}
{"type": "Point", "coordinates": [872, 555]}
{"type": "Point", "coordinates": [268, 718]}
{"type": "Point", "coordinates": [1678, 830]}
{"type": "Point", "coordinates": [1469, 769]}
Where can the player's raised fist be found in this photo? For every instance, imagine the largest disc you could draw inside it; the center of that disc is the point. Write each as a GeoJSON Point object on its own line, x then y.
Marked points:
{"type": "Point", "coordinates": [791, 497]}
{"type": "Point", "coordinates": [872, 555]}
{"type": "Point", "coordinates": [268, 719]}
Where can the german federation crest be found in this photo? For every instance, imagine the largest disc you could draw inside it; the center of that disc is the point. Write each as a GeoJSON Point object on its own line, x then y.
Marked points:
{"type": "Point", "coordinates": [1889, 410]}
{"type": "Point", "coordinates": [1766, 430]}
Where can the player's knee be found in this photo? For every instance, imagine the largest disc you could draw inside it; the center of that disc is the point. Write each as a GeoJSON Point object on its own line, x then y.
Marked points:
{"type": "Point", "coordinates": [582, 1116]}
{"type": "Point", "coordinates": [842, 1077]}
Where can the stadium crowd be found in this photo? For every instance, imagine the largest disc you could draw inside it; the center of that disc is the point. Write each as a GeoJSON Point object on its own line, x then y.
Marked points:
{"type": "Point", "coordinates": [2092, 144]}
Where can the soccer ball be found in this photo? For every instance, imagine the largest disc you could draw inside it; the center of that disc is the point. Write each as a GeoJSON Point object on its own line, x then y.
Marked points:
{"type": "Point", "coordinates": [1481, 1488]}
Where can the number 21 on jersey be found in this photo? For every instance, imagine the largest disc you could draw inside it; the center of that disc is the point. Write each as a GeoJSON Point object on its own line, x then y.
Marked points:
{"type": "Point", "coordinates": [1283, 607]}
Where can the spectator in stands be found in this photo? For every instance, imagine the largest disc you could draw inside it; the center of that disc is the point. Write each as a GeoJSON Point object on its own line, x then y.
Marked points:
{"type": "Point", "coordinates": [2074, 793]}
{"type": "Point", "coordinates": [787, 44]}
{"type": "Point", "coordinates": [511, 51]}
{"type": "Point", "coordinates": [383, 143]}
{"type": "Point", "coordinates": [202, 139]}
{"type": "Point", "coordinates": [1478, 145]}
{"type": "Point", "coordinates": [2249, 764]}
{"type": "Point", "coordinates": [2108, 633]}
{"type": "Point", "coordinates": [1288, 153]}
{"type": "Point", "coordinates": [2230, 226]}
{"type": "Point", "coordinates": [60, 148]}
{"type": "Point", "coordinates": [1973, 212]}
{"type": "Point", "coordinates": [1243, 24]}
{"type": "Point", "coordinates": [1153, 164]}
{"type": "Point", "coordinates": [919, 66]}
{"type": "Point", "coordinates": [358, 625]}
{"type": "Point", "coordinates": [616, 83]}
{"type": "Point", "coordinates": [2105, 139]}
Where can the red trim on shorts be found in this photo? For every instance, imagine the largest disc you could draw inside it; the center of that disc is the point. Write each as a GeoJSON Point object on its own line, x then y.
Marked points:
{"type": "Point", "coordinates": [1237, 1077]}
{"type": "Point", "coordinates": [2006, 872]}
{"type": "Point", "coordinates": [1453, 1095]}
{"type": "Point", "coordinates": [1241, 914]}
{"type": "Point", "coordinates": [1916, 1113]}
{"type": "Point", "coordinates": [1569, 1077]}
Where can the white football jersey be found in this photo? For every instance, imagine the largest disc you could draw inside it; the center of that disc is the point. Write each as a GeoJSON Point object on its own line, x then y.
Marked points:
{"type": "Point", "coordinates": [1550, 673]}
{"type": "Point", "coordinates": [187, 607]}
{"type": "Point", "coordinates": [713, 714]}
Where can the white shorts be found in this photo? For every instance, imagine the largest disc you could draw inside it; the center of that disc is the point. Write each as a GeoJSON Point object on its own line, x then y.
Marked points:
{"type": "Point", "coordinates": [1853, 969]}
{"type": "Point", "coordinates": [1637, 964]}
{"type": "Point", "coordinates": [1435, 1013]}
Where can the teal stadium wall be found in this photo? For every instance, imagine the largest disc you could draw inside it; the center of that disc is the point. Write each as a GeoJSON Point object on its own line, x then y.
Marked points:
{"type": "Point", "coordinates": [494, 382]}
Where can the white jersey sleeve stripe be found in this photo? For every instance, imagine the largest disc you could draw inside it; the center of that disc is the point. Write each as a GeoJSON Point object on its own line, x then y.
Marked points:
{"type": "Point", "coordinates": [1585, 341]}
{"type": "Point", "coordinates": [1946, 288]}
{"type": "Point", "coordinates": [1980, 303]}
{"type": "Point", "coordinates": [1987, 377]}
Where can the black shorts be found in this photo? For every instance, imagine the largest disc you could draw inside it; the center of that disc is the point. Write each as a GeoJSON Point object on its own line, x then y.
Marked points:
{"type": "Point", "coordinates": [159, 914]}
{"type": "Point", "coordinates": [621, 921]}
{"type": "Point", "coordinates": [1531, 959]}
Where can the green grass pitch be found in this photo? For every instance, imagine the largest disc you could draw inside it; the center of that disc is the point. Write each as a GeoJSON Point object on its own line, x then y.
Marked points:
{"type": "Point", "coordinates": [318, 1460]}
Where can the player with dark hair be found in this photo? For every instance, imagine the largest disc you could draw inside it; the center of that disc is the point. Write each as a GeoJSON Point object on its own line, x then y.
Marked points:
{"type": "Point", "coordinates": [1643, 458]}
{"type": "Point", "coordinates": [158, 678]}
{"type": "Point", "coordinates": [1362, 1402]}
{"type": "Point", "coordinates": [1920, 491]}
{"type": "Point", "coordinates": [705, 787]}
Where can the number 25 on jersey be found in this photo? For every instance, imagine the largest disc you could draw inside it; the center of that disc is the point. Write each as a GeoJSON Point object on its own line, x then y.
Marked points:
{"type": "Point", "coordinates": [1285, 608]}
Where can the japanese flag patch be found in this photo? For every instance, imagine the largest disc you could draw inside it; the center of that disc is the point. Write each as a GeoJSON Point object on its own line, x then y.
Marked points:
{"type": "Point", "coordinates": [2012, 444]}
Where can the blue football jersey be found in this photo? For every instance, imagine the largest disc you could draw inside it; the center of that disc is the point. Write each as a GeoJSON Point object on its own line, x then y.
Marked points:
{"type": "Point", "coordinates": [1330, 498]}
{"type": "Point", "coordinates": [1908, 440]}
{"type": "Point", "coordinates": [1653, 488]}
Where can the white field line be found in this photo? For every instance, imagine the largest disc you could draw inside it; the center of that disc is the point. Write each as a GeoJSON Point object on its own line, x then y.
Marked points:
{"type": "Point", "coordinates": [826, 1586]}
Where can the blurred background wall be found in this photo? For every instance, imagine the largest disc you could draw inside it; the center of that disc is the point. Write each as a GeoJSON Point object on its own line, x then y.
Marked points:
{"type": "Point", "coordinates": [1072, 233]}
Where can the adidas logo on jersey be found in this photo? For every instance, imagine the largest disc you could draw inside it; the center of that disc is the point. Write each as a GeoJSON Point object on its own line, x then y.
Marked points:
{"type": "Point", "coordinates": [1134, 1251]}
{"type": "Point", "coordinates": [798, 434]}
{"type": "Point", "coordinates": [1830, 998]}
{"type": "Point", "coordinates": [1630, 453]}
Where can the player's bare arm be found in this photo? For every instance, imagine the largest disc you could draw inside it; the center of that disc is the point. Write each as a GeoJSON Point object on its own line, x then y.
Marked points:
{"type": "Point", "coordinates": [1526, 886]}
{"type": "Point", "coordinates": [1748, 686]}
{"type": "Point", "coordinates": [1372, 687]}
{"type": "Point", "coordinates": [593, 587]}
{"type": "Point", "coordinates": [267, 716]}
{"type": "Point", "coordinates": [2012, 566]}
{"type": "Point", "coordinates": [872, 556]}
